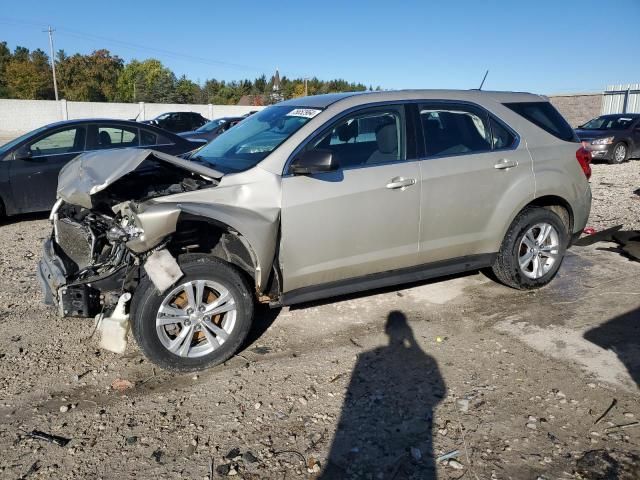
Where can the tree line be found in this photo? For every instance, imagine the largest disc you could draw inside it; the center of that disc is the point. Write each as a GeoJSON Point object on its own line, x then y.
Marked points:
{"type": "Point", "coordinates": [103, 77]}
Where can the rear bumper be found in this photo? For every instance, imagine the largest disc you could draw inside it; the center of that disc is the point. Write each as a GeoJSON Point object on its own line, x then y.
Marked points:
{"type": "Point", "coordinates": [581, 211]}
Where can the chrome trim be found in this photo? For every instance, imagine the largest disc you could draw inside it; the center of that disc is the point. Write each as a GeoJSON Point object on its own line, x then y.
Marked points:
{"type": "Point", "coordinates": [54, 209]}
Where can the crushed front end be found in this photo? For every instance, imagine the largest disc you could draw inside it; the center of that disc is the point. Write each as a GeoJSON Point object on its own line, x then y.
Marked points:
{"type": "Point", "coordinates": [98, 245]}
{"type": "Point", "coordinates": [86, 263]}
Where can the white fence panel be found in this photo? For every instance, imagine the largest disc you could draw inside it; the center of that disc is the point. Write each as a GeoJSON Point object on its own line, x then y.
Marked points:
{"type": "Point", "coordinates": [19, 116]}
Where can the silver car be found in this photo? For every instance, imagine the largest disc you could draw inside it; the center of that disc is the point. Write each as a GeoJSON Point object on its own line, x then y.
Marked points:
{"type": "Point", "coordinates": [311, 198]}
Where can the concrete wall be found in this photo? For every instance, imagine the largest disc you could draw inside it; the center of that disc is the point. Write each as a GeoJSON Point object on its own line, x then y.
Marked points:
{"type": "Point", "coordinates": [18, 116]}
{"type": "Point", "coordinates": [578, 108]}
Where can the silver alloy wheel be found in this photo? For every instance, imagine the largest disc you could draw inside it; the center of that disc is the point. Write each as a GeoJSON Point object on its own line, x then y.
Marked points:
{"type": "Point", "coordinates": [539, 250]}
{"type": "Point", "coordinates": [620, 153]}
{"type": "Point", "coordinates": [196, 318]}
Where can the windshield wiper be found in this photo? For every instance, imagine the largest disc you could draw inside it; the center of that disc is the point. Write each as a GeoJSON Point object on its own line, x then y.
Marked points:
{"type": "Point", "coordinates": [200, 159]}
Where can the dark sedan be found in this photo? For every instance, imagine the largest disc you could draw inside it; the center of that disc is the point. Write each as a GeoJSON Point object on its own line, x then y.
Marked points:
{"type": "Point", "coordinates": [212, 129]}
{"type": "Point", "coordinates": [29, 165]}
{"type": "Point", "coordinates": [178, 122]}
{"type": "Point", "coordinates": [614, 138]}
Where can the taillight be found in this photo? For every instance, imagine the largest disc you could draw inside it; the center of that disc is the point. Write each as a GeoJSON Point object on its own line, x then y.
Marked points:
{"type": "Point", "coordinates": [584, 159]}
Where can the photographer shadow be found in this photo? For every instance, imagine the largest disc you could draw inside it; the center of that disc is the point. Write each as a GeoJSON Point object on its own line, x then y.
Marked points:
{"type": "Point", "coordinates": [385, 427]}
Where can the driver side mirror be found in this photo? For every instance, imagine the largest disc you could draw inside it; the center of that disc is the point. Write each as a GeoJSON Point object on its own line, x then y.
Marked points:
{"type": "Point", "coordinates": [24, 153]}
{"type": "Point", "coordinates": [313, 161]}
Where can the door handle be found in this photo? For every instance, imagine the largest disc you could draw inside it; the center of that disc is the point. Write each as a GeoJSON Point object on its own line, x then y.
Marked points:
{"type": "Point", "coordinates": [505, 163]}
{"type": "Point", "coordinates": [402, 183]}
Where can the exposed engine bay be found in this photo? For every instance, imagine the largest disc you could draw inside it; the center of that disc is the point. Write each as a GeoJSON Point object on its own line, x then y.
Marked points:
{"type": "Point", "coordinates": [87, 263]}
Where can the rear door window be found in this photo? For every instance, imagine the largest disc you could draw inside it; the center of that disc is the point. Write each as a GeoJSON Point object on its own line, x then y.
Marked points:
{"type": "Point", "coordinates": [148, 138]}
{"type": "Point", "coordinates": [501, 137]}
{"type": "Point", "coordinates": [452, 129]}
{"type": "Point", "coordinates": [117, 137]}
{"type": "Point", "coordinates": [545, 116]}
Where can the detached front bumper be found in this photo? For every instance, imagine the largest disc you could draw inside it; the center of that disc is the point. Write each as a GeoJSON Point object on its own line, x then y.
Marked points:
{"type": "Point", "coordinates": [72, 300]}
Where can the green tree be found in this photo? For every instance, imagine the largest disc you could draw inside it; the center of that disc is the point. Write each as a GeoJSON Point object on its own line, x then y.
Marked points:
{"type": "Point", "coordinates": [146, 81]}
{"type": "Point", "coordinates": [5, 58]}
{"type": "Point", "coordinates": [89, 78]}
{"type": "Point", "coordinates": [28, 75]}
{"type": "Point", "coordinates": [187, 91]}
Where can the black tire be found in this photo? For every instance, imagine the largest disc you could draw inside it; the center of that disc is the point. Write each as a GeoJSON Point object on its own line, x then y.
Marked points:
{"type": "Point", "coordinates": [507, 268]}
{"type": "Point", "coordinates": [147, 301]}
{"type": "Point", "coordinates": [620, 158]}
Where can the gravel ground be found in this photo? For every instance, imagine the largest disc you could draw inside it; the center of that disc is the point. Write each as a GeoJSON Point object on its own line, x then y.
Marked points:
{"type": "Point", "coordinates": [616, 196]}
{"type": "Point", "coordinates": [372, 386]}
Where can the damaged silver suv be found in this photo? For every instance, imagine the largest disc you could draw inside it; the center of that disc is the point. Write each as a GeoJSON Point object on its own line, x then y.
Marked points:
{"type": "Point", "coordinates": [313, 198]}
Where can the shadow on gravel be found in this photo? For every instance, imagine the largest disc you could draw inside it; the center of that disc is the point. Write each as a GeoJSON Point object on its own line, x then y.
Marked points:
{"type": "Point", "coordinates": [621, 335]}
{"type": "Point", "coordinates": [264, 318]}
{"type": "Point", "coordinates": [23, 217]}
{"type": "Point", "coordinates": [628, 241]}
{"type": "Point", "coordinates": [385, 427]}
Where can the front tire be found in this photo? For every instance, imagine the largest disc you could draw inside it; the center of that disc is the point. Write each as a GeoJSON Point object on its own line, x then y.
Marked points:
{"type": "Point", "coordinates": [532, 250]}
{"type": "Point", "coordinates": [620, 153]}
{"type": "Point", "coordinates": [199, 322]}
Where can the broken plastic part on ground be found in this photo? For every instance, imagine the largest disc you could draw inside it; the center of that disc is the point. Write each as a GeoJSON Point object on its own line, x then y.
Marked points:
{"type": "Point", "coordinates": [114, 328]}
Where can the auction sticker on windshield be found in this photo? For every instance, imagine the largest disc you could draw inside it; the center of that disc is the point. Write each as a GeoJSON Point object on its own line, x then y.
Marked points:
{"type": "Point", "coordinates": [304, 112]}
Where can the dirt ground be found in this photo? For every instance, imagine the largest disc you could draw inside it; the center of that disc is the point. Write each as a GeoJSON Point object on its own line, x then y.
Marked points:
{"type": "Point", "coordinates": [518, 385]}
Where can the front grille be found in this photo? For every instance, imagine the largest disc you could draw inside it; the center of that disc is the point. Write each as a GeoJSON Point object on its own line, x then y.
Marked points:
{"type": "Point", "coordinates": [74, 242]}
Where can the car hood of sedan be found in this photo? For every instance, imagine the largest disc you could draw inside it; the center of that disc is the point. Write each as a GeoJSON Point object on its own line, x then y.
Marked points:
{"type": "Point", "coordinates": [591, 134]}
{"type": "Point", "coordinates": [92, 172]}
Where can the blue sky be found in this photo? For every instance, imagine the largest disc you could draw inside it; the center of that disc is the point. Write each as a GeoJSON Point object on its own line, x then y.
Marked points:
{"type": "Point", "coordinates": [540, 46]}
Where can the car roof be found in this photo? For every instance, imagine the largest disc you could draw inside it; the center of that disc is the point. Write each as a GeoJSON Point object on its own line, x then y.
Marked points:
{"type": "Point", "coordinates": [323, 101]}
{"type": "Point", "coordinates": [620, 115]}
{"type": "Point", "coordinates": [181, 111]}
{"type": "Point", "coordinates": [79, 121]}
{"type": "Point", "coordinates": [113, 121]}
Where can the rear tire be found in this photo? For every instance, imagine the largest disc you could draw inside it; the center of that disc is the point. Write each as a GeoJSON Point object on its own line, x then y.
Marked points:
{"type": "Point", "coordinates": [620, 153]}
{"type": "Point", "coordinates": [198, 323]}
{"type": "Point", "coordinates": [532, 250]}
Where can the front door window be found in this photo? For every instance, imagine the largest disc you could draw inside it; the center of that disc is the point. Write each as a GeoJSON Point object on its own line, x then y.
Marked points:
{"type": "Point", "coordinates": [61, 142]}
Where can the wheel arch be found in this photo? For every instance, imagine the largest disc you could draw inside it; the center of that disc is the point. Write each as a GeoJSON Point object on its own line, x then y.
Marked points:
{"type": "Point", "coordinates": [246, 243]}
{"type": "Point", "coordinates": [557, 205]}
{"type": "Point", "coordinates": [197, 234]}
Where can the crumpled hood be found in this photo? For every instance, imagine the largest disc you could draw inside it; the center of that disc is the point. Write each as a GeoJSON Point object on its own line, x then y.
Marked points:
{"type": "Point", "coordinates": [92, 172]}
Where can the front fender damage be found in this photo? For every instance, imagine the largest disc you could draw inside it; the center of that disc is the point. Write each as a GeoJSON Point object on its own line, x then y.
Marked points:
{"type": "Point", "coordinates": [109, 229]}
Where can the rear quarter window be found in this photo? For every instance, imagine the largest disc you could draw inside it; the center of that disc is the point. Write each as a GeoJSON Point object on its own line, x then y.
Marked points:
{"type": "Point", "coordinates": [545, 116]}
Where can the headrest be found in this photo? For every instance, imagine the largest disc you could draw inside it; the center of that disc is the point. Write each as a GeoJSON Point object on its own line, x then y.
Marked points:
{"type": "Point", "coordinates": [387, 138]}
{"type": "Point", "coordinates": [347, 131]}
{"type": "Point", "coordinates": [104, 138]}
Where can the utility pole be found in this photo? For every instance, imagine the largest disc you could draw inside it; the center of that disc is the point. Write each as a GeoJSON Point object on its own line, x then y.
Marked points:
{"type": "Point", "coordinates": [306, 90]}
{"type": "Point", "coordinates": [53, 61]}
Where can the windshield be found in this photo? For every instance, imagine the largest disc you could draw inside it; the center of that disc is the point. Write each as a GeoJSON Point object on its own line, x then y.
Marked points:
{"type": "Point", "coordinates": [8, 146]}
{"type": "Point", "coordinates": [608, 123]}
{"type": "Point", "coordinates": [248, 143]}
{"type": "Point", "coordinates": [211, 126]}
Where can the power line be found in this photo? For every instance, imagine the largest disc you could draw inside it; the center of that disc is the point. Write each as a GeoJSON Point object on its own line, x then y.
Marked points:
{"type": "Point", "coordinates": [168, 53]}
